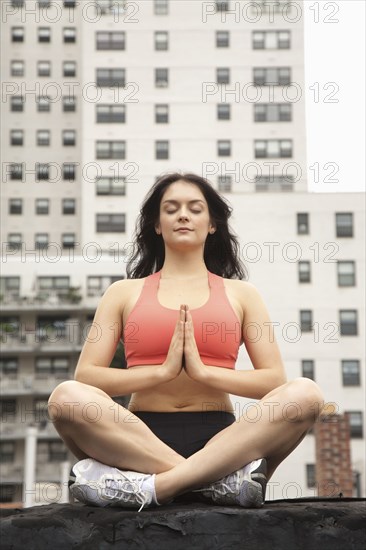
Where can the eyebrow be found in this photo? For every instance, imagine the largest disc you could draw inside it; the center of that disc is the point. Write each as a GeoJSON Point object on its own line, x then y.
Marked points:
{"type": "Point", "coordinates": [177, 202]}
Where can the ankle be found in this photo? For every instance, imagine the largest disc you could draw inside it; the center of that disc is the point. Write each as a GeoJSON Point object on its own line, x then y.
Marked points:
{"type": "Point", "coordinates": [163, 491]}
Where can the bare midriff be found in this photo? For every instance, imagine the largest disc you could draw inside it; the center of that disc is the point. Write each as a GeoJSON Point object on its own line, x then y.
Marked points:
{"type": "Point", "coordinates": [180, 394]}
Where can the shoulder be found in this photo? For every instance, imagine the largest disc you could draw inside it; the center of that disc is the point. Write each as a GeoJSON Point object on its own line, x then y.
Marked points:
{"type": "Point", "coordinates": [244, 292]}
{"type": "Point", "coordinates": [124, 286]}
{"type": "Point", "coordinates": [119, 292]}
{"type": "Point", "coordinates": [240, 286]}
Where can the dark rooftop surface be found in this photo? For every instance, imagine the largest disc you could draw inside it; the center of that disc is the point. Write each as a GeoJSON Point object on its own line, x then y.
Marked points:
{"type": "Point", "coordinates": [298, 524]}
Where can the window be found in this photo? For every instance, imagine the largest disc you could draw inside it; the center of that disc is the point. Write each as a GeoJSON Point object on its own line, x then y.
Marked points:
{"type": "Point", "coordinates": [68, 240]}
{"type": "Point", "coordinates": [274, 183]}
{"type": "Point", "coordinates": [7, 452]}
{"type": "Point", "coordinates": [304, 272]}
{"type": "Point", "coordinates": [162, 113]}
{"type": "Point", "coordinates": [49, 326]}
{"type": "Point", "coordinates": [108, 7]}
{"type": "Point", "coordinates": [9, 365]}
{"type": "Point", "coordinates": [111, 149]}
{"type": "Point", "coordinates": [42, 206]}
{"type": "Point", "coordinates": [112, 40]}
{"type": "Point", "coordinates": [17, 103]}
{"type": "Point", "coordinates": [15, 206]}
{"type": "Point", "coordinates": [310, 476]}
{"type": "Point", "coordinates": [351, 372]}
{"type": "Point", "coordinates": [17, 68]}
{"type": "Point", "coordinates": [57, 451]}
{"type": "Point", "coordinates": [44, 3]}
{"type": "Point", "coordinates": [69, 171]}
{"type": "Point", "coordinates": [222, 39]}
{"type": "Point", "coordinates": [275, 112]}
{"type": "Point", "coordinates": [109, 185]}
{"type": "Point", "coordinates": [344, 224]}
{"type": "Point", "coordinates": [111, 77]}
{"type": "Point", "coordinates": [14, 241]}
{"type": "Point", "coordinates": [346, 273]}
{"type": "Point", "coordinates": [348, 322]}
{"type": "Point", "coordinates": [162, 150]}
{"type": "Point", "coordinates": [10, 286]}
{"type": "Point", "coordinates": [302, 223]}
{"type": "Point", "coordinates": [223, 111]}
{"type": "Point", "coordinates": [223, 75]}
{"type": "Point", "coordinates": [16, 171]}
{"type": "Point", "coordinates": [69, 34]}
{"type": "Point", "coordinates": [111, 223]}
{"type": "Point", "coordinates": [307, 369]}
{"type": "Point", "coordinates": [68, 206]}
{"type": "Point", "coordinates": [69, 3]}
{"type": "Point", "coordinates": [44, 68]}
{"type": "Point", "coordinates": [306, 320]}
{"type": "Point", "coordinates": [273, 148]}
{"type": "Point", "coordinates": [42, 171]}
{"type": "Point", "coordinates": [222, 5]}
{"type": "Point", "coordinates": [17, 34]}
{"type": "Point", "coordinates": [224, 183]}
{"type": "Point", "coordinates": [57, 284]}
{"type": "Point", "coordinates": [68, 138]}
{"type": "Point", "coordinates": [69, 68]}
{"type": "Point", "coordinates": [16, 137]}
{"type": "Point", "coordinates": [161, 40]}
{"type": "Point", "coordinates": [223, 148]}
{"type": "Point", "coordinates": [161, 78]}
{"type": "Point", "coordinates": [43, 137]}
{"type": "Point", "coordinates": [69, 104]}
{"type": "Point", "coordinates": [43, 104]}
{"type": "Point", "coordinates": [41, 240]}
{"type": "Point", "coordinates": [271, 75]}
{"type": "Point", "coordinates": [271, 40]}
{"type": "Point", "coordinates": [355, 423]}
{"type": "Point", "coordinates": [273, 7]}
{"type": "Point", "coordinates": [97, 285]}
{"type": "Point", "coordinates": [52, 366]}
{"type": "Point", "coordinates": [161, 7]}
{"type": "Point", "coordinates": [111, 113]}
{"type": "Point", "coordinates": [17, 3]}
{"type": "Point", "coordinates": [44, 34]}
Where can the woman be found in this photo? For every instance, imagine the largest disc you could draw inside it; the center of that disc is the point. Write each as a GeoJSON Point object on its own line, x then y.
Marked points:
{"type": "Point", "coordinates": [183, 313]}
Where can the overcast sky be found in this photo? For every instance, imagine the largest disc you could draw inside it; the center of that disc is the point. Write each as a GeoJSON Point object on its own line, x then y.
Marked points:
{"type": "Point", "coordinates": [334, 69]}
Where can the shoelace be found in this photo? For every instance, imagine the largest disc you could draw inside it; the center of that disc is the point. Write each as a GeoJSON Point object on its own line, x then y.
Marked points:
{"type": "Point", "coordinates": [127, 490]}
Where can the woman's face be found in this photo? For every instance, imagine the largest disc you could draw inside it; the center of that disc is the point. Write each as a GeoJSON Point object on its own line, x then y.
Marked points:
{"type": "Point", "coordinates": [184, 215]}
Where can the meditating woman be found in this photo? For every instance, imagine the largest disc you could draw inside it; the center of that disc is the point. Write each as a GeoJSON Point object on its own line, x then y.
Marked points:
{"type": "Point", "coordinates": [182, 313]}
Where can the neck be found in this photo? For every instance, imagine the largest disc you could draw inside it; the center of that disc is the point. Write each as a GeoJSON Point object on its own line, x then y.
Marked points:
{"type": "Point", "coordinates": [183, 265]}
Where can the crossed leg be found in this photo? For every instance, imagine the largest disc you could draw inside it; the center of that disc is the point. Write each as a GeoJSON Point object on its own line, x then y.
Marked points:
{"type": "Point", "coordinates": [118, 438]}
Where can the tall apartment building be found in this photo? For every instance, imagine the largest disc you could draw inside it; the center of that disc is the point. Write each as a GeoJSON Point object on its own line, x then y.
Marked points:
{"type": "Point", "coordinates": [101, 97]}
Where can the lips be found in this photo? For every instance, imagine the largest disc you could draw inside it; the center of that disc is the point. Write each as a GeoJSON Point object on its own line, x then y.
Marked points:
{"type": "Point", "coordinates": [183, 229]}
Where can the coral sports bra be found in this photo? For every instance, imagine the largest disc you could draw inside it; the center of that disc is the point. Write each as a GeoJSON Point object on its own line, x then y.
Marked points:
{"type": "Point", "coordinates": [149, 327]}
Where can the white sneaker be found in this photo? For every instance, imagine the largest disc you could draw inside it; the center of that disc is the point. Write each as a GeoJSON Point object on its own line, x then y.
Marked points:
{"type": "Point", "coordinates": [246, 487]}
{"type": "Point", "coordinates": [92, 482]}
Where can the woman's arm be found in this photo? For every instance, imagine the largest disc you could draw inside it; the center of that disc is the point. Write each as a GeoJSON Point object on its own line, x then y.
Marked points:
{"type": "Point", "coordinates": [100, 346]}
{"type": "Point", "coordinates": [260, 342]}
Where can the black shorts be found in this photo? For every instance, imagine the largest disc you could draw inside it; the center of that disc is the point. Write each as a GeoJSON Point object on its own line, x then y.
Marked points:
{"type": "Point", "coordinates": [186, 432]}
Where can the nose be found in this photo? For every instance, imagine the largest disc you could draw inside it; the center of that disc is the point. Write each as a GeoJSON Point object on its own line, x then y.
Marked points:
{"type": "Point", "coordinates": [183, 216]}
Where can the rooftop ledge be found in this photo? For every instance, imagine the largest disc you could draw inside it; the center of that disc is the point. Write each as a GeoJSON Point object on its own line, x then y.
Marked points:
{"type": "Point", "coordinates": [301, 524]}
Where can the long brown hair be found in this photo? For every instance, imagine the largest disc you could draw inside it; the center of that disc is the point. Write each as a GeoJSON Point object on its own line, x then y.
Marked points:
{"type": "Point", "coordinates": [221, 250]}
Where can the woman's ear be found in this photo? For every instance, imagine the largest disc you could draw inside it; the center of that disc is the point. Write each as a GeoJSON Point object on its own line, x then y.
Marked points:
{"type": "Point", "coordinates": [157, 229]}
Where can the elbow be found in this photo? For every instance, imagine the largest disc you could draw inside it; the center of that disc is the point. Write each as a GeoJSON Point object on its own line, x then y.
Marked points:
{"type": "Point", "coordinates": [279, 378]}
{"type": "Point", "coordinates": [81, 375]}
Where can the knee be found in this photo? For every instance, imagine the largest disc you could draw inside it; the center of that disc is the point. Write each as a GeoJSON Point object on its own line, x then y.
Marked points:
{"type": "Point", "coordinates": [65, 397]}
{"type": "Point", "coordinates": [307, 396]}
